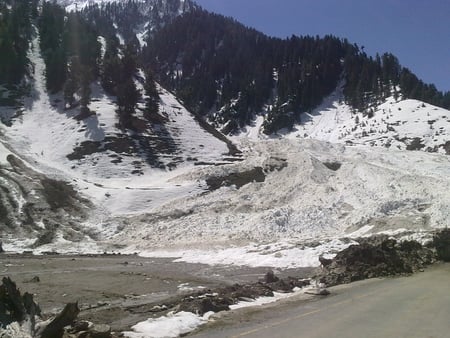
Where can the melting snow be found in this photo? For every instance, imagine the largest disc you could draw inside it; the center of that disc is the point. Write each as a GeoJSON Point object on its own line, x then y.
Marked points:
{"type": "Point", "coordinates": [172, 325]}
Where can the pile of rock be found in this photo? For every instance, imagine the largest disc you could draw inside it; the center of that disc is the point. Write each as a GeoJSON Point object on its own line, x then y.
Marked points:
{"type": "Point", "coordinates": [376, 257]}
{"type": "Point", "coordinates": [221, 299]}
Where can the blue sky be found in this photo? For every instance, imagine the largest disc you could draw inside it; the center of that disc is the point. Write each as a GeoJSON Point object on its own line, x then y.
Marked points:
{"type": "Point", "coordinates": [416, 31]}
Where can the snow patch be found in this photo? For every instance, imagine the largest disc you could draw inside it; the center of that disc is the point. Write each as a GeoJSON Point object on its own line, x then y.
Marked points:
{"type": "Point", "coordinates": [277, 255]}
{"type": "Point", "coordinates": [172, 325]}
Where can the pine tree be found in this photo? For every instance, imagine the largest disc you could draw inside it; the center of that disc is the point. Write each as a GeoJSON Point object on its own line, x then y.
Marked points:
{"type": "Point", "coordinates": [152, 99]}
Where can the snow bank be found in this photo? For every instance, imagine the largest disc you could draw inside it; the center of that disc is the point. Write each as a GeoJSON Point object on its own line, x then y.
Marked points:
{"type": "Point", "coordinates": [172, 325]}
{"type": "Point", "coordinates": [181, 323]}
{"type": "Point", "coordinates": [277, 255]}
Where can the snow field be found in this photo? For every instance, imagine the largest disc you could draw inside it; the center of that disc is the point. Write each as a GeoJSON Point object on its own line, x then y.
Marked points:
{"type": "Point", "coordinates": [305, 201]}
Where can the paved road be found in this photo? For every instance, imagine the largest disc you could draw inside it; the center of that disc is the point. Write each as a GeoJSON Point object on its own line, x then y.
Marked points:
{"type": "Point", "coordinates": [416, 306]}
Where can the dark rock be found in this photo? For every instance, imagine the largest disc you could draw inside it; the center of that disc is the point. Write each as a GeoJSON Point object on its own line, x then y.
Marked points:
{"type": "Point", "coordinates": [55, 329]}
{"type": "Point", "coordinates": [325, 261]}
{"type": "Point", "coordinates": [44, 238]}
{"type": "Point", "coordinates": [441, 241]}
{"type": "Point", "coordinates": [298, 283]}
{"type": "Point", "coordinates": [270, 277]}
{"type": "Point", "coordinates": [35, 279]}
{"type": "Point", "coordinates": [79, 326]}
{"type": "Point", "coordinates": [100, 331]}
{"type": "Point", "coordinates": [376, 257]}
{"type": "Point", "coordinates": [238, 179]}
{"type": "Point", "coordinates": [13, 306]}
{"type": "Point", "coordinates": [447, 147]}
{"type": "Point", "coordinates": [84, 114]}
{"type": "Point", "coordinates": [335, 166]}
{"type": "Point", "coordinates": [253, 291]}
{"type": "Point", "coordinates": [1, 247]}
{"type": "Point", "coordinates": [201, 306]}
{"type": "Point", "coordinates": [280, 286]}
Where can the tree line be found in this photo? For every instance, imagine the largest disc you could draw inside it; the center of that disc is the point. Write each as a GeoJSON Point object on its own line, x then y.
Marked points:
{"type": "Point", "coordinates": [220, 68]}
{"type": "Point", "coordinates": [15, 33]}
{"type": "Point", "coordinates": [78, 50]}
{"type": "Point", "coordinates": [228, 72]}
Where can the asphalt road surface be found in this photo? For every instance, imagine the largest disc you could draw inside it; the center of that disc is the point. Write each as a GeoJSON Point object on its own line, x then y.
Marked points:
{"type": "Point", "coordinates": [415, 306]}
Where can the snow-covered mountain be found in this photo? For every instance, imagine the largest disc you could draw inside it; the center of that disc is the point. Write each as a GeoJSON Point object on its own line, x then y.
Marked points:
{"type": "Point", "coordinates": [81, 183]}
{"type": "Point", "coordinates": [71, 5]}
{"type": "Point", "coordinates": [120, 172]}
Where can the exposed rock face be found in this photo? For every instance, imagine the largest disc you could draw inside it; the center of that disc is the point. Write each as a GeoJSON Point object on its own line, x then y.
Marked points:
{"type": "Point", "coordinates": [31, 201]}
{"type": "Point", "coordinates": [376, 257]}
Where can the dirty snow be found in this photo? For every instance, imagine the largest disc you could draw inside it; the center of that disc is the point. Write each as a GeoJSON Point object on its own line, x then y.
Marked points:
{"type": "Point", "coordinates": [178, 324]}
{"type": "Point", "coordinates": [172, 325]}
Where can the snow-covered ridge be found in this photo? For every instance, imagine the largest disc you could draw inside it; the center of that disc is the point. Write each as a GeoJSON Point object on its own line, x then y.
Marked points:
{"type": "Point", "coordinates": [396, 123]}
{"type": "Point", "coordinates": [75, 5]}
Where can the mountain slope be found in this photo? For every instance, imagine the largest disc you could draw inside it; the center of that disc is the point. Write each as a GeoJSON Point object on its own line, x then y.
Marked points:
{"type": "Point", "coordinates": [120, 171]}
{"type": "Point", "coordinates": [228, 73]}
{"type": "Point", "coordinates": [37, 208]}
{"type": "Point", "coordinates": [164, 177]}
{"type": "Point", "coordinates": [401, 124]}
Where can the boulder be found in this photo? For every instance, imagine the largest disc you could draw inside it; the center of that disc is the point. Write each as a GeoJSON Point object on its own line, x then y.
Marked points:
{"type": "Point", "coordinates": [201, 306]}
{"type": "Point", "coordinates": [100, 331]}
{"type": "Point", "coordinates": [253, 291]}
{"type": "Point", "coordinates": [270, 277]}
{"type": "Point", "coordinates": [325, 261]}
{"type": "Point", "coordinates": [35, 279]}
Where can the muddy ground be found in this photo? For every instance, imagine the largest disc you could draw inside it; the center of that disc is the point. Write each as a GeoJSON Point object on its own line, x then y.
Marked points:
{"type": "Point", "coordinates": [119, 290]}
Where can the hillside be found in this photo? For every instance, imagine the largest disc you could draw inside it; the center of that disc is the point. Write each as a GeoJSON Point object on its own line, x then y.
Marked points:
{"type": "Point", "coordinates": [117, 122]}
{"type": "Point", "coordinates": [229, 73]}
